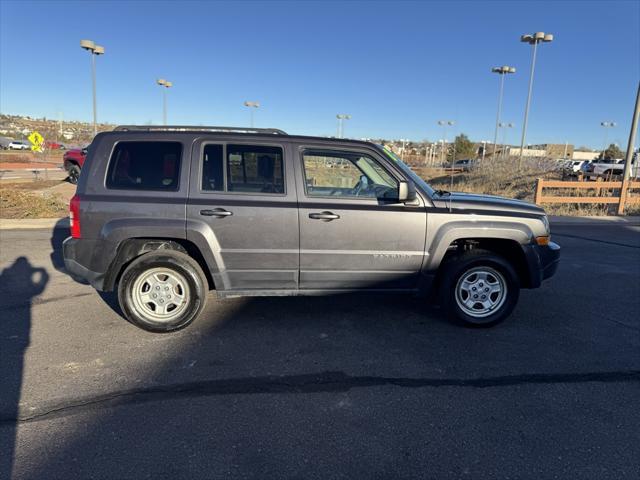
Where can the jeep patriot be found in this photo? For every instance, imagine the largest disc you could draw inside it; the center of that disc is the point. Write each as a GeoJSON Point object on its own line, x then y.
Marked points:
{"type": "Point", "coordinates": [162, 215]}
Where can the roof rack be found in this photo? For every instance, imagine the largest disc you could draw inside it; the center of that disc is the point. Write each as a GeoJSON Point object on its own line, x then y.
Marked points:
{"type": "Point", "coordinates": [188, 128]}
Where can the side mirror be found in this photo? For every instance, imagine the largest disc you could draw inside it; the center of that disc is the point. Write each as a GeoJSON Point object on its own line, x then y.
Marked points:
{"type": "Point", "coordinates": [406, 192]}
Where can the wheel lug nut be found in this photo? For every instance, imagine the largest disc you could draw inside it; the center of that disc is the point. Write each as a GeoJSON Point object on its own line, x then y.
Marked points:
{"type": "Point", "coordinates": [484, 296]}
{"type": "Point", "coordinates": [486, 289]}
{"type": "Point", "coordinates": [166, 288]}
{"type": "Point", "coordinates": [157, 287]}
{"type": "Point", "coordinates": [169, 297]}
{"type": "Point", "coordinates": [154, 295]}
{"type": "Point", "coordinates": [475, 296]}
{"type": "Point", "coordinates": [473, 288]}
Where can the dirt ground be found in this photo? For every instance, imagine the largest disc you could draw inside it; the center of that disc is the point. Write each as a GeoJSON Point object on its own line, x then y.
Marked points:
{"type": "Point", "coordinates": [35, 199]}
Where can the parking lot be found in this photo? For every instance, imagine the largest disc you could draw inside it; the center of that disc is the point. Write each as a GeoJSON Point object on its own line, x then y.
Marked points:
{"type": "Point", "coordinates": [334, 387]}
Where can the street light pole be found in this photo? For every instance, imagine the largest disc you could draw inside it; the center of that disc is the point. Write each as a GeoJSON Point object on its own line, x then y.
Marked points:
{"type": "Point", "coordinates": [607, 126]}
{"type": "Point", "coordinates": [253, 106]}
{"type": "Point", "coordinates": [629, 156]}
{"type": "Point", "coordinates": [502, 71]}
{"type": "Point", "coordinates": [341, 117]}
{"type": "Point", "coordinates": [94, 50]}
{"type": "Point", "coordinates": [167, 85]}
{"type": "Point", "coordinates": [531, 40]}
{"type": "Point", "coordinates": [444, 124]}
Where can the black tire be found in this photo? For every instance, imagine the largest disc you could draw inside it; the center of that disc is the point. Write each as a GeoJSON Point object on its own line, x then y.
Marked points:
{"type": "Point", "coordinates": [180, 266]}
{"type": "Point", "coordinates": [74, 174]}
{"type": "Point", "coordinates": [459, 267]}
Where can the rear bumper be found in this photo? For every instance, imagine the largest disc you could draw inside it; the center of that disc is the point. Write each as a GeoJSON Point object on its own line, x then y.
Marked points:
{"type": "Point", "coordinates": [542, 261]}
{"type": "Point", "coordinates": [75, 258]}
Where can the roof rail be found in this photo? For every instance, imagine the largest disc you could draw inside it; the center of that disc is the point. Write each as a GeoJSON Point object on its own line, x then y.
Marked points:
{"type": "Point", "coordinates": [189, 128]}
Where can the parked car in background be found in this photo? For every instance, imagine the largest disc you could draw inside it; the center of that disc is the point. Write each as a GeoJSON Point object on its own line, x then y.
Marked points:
{"type": "Point", "coordinates": [573, 167]}
{"type": "Point", "coordinates": [605, 167]}
{"type": "Point", "coordinates": [73, 161]}
{"type": "Point", "coordinates": [54, 146]}
{"type": "Point", "coordinates": [19, 145]}
{"type": "Point", "coordinates": [465, 164]}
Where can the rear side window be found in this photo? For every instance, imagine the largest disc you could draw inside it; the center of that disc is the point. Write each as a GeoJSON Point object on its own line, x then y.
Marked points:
{"type": "Point", "coordinates": [254, 169]}
{"type": "Point", "coordinates": [145, 166]}
{"type": "Point", "coordinates": [213, 168]}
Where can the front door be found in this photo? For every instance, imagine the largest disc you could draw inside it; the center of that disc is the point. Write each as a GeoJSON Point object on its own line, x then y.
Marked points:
{"type": "Point", "coordinates": [354, 234]}
{"type": "Point", "coordinates": [243, 201]}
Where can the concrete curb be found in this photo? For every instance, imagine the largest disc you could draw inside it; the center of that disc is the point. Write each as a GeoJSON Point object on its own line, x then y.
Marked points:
{"type": "Point", "coordinates": [33, 223]}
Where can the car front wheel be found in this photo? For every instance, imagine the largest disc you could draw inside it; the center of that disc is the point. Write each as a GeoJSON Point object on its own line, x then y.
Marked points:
{"type": "Point", "coordinates": [479, 288]}
{"type": "Point", "coordinates": [162, 291]}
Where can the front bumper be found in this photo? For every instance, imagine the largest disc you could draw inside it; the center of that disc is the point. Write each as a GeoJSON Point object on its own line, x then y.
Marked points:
{"type": "Point", "coordinates": [542, 261]}
{"type": "Point", "coordinates": [73, 253]}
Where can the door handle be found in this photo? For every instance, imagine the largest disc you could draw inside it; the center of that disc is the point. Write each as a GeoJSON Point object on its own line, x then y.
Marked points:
{"type": "Point", "coordinates": [217, 212]}
{"type": "Point", "coordinates": [328, 216]}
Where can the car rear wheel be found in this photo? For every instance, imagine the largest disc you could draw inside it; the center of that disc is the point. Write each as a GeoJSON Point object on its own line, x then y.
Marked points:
{"type": "Point", "coordinates": [479, 288]}
{"type": "Point", "coordinates": [74, 174]}
{"type": "Point", "coordinates": [162, 291]}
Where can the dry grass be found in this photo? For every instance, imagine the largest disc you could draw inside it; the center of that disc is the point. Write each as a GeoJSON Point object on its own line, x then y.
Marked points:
{"type": "Point", "coordinates": [19, 200]}
{"type": "Point", "coordinates": [500, 177]}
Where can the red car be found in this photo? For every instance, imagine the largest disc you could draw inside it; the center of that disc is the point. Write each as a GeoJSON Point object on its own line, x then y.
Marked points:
{"type": "Point", "coordinates": [73, 161]}
{"type": "Point", "coordinates": [54, 146]}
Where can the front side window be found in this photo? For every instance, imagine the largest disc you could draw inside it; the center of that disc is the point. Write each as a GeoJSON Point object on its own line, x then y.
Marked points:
{"type": "Point", "coordinates": [342, 174]}
{"type": "Point", "coordinates": [145, 166]}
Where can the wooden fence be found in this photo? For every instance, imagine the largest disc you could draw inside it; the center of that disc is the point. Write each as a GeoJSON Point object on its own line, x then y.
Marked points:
{"type": "Point", "coordinates": [602, 192]}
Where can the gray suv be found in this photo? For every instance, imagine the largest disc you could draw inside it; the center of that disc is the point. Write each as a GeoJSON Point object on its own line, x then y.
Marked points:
{"type": "Point", "coordinates": [165, 214]}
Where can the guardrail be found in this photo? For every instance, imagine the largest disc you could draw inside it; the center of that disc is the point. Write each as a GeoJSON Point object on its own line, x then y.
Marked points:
{"type": "Point", "coordinates": [622, 198]}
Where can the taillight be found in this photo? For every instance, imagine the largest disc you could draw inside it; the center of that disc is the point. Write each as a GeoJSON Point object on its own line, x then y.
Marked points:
{"type": "Point", "coordinates": [74, 216]}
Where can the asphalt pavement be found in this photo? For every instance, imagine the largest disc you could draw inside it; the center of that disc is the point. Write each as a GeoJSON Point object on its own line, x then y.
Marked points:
{"type": "Point", "coordinates": [323, 388]}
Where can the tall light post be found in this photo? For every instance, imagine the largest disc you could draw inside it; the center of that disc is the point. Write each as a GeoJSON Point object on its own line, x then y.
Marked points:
{"type": "Point", "coordinates": [502, 71]}
{"type": "Point", "coordinates": [341, 117]}
{"type": "Point", "coordinates": [166, 84]}
{"type": "Point", "coordinates": [253, 106]}
{"type": "Point", "coordinates": [533, 39]}
{"type": "Point", "coordinates": [94, 50]}
{"type": "Point", "coordinates": [444, 124]}
{"type": "Point", "coordinates": [504, 127]}
{"type": "Point", "coordinates": [606, 126]}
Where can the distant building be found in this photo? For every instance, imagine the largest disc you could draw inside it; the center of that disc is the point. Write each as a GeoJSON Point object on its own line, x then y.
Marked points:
{"type": "Point", "coordinates": [578, 155]}
{"type": "Point", "coordinates": [554, 150]}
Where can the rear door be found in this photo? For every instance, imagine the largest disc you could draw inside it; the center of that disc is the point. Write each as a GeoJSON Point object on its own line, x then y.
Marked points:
{"type": "Point", "coordinates": [242, 199]}
{"type": "Point", "coordinates": [353, 234]}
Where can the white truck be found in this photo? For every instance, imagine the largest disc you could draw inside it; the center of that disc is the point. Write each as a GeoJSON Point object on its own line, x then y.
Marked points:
{"type": "Point", "coordinates": [611, 168]}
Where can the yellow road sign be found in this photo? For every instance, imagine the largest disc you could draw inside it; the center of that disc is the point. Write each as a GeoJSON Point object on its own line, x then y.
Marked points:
{"type": "Point", "coordinates": [36, 141]}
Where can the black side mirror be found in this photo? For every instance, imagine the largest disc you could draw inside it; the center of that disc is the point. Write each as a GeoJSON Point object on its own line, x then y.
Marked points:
{"type": "Point", "coordinates": [406, 191]}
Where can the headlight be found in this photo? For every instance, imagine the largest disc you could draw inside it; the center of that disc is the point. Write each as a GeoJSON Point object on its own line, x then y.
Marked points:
{"type": "Point", "coordinates": [545, 222]}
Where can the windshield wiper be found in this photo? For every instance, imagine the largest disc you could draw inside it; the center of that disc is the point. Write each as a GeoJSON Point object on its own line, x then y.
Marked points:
{"type": "Point", "coordinates": [442, 193]}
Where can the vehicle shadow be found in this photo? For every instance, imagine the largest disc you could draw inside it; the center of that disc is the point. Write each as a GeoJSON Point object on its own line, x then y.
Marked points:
{"type": "Point", "coordinates": [19, 284]}
{"type": "Point", "coordinates": [58, 235]}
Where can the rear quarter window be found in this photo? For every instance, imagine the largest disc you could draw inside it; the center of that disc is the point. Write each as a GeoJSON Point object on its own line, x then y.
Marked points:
{"type": "Point", "coordinates": [145, 166]}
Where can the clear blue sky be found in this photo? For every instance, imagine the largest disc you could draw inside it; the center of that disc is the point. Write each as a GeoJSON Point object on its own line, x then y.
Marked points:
{"type": "Point", "coordinates": [396, 67]}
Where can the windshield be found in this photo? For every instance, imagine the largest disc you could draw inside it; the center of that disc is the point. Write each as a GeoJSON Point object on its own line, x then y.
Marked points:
{"type": "Point", "coordinates": [406, 169]}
